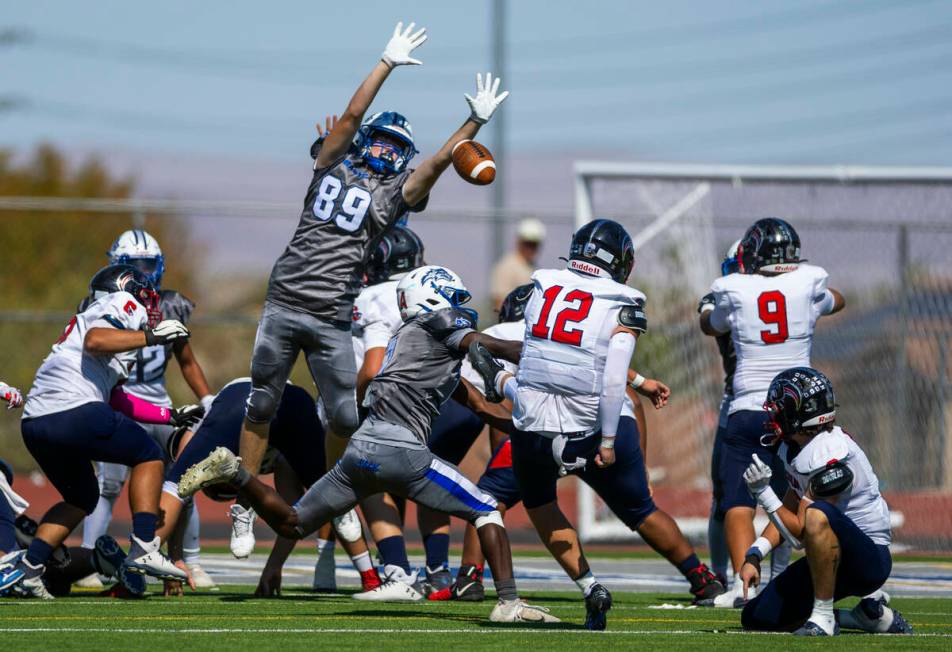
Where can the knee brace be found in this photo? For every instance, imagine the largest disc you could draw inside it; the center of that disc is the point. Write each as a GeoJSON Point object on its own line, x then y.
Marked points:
{"type": "Point", "coordinates": [492, 518]}
{"type": "Point", "coordinates": [110, 487]}
{"type": "Point", "coordinates": [261, 405]}
{"type": "Point", "coordinates": [348, 527]}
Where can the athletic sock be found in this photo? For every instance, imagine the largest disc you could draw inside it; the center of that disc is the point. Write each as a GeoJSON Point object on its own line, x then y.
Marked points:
{"type": "Point", "coordinates": [823, 615]}
{"type": "Point", "coordinates": [39, 552]}
{"type": "Point", "coordinates": [718, 546]}
{"type": "Point", "coordinates": [393, 552]}
{"type": "Point", "coordinates": [506, 589]}
{"type": "Point", "coordinates": [437, 547]}
{"type": "Point", "coordinates": [190, 540]}
{"type": "Point", "coordinates": [586, 582]}
{"type": "Point", "coordinates": [362, 562]}
{"type": "Point", "coordinates": [689, 564]}
{"type": "Point", "coordinates": [97, 524]}
{"type": "Point", "coordinates": [143, 526]}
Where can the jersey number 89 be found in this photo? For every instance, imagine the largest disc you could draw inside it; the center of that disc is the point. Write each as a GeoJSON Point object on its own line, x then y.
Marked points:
{"type": "Point", "coordinates": [351, 210]}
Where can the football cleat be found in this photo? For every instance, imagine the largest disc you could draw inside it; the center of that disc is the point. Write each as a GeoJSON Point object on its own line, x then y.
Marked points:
{"type": "Point", "coordinates": [436, 587]}
{"type": "Point", "coordinates": [109, 558]}
{"type": "Point", "coordinates": [729, 599]}
{"type": "Point", "coordinates": [468, 586]}
{"type": "Point", "coordinates": [242, 542]}
{"type": "Point", "coordinates": [872, 614]}
{"type": "Point", "coordinates": [146, 558]}
{"type": "Point", "coordinates": [10, 570]}
{"type": "Point", "coordinates": [369, 579]}
{"type": "Point", "coordinates": [704, 585]}
{"type": "Point", "coordinates": [487, 367]}
{"type": "Point", "coordinates": [29, 584]}
{"type": "Point", "coordinates": [519, 611]}
{"type": "Point", "coordinates": [397, 586]}
{"type": "Point", "coordinates": [201, 577]}
{"type": "Point", "coordinates": [810, 628]}
{"type": "Point", "coordinates": [597, 603]}
{"type": "Point", "coordinates": [219, 467]}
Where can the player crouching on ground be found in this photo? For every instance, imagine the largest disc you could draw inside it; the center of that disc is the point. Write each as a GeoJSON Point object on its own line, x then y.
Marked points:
{"type": "Point", "coordinates": [421, 370]}
{"type": "Point", "coordinates": [833, 510]}
{"type": "Point", "coordinates": [75, 415]}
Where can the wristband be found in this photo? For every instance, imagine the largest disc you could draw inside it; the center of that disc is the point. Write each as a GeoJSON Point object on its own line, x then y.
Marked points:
{"type": "Point", "coordinates": [608, 442]}
{"type": "Point", "coordinates": [761, 547]}
{"type": "Point", "coordinates": [637, 382]}
{"type": "Point", "coordinates": [150, 338]}
{"type": "Point", "coordinates": [752, 559]}
{"type": "Point", "coordinates": [769, 501]}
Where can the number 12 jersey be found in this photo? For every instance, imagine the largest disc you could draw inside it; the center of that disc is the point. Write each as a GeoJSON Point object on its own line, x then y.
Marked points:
{"type": "Point", "coordinates": [771, 321]}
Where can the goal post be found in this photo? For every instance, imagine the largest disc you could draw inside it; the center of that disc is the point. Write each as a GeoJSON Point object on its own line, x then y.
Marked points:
{"type": "Point", "coordinates": [885, 236]}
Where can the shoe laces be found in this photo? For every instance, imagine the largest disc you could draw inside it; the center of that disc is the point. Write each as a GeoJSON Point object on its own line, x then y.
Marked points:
{"type": "Point", "coordinates": [242, 521]}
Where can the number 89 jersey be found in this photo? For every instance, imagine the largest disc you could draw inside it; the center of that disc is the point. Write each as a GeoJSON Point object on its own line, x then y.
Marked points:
{"type": "Point", "coordinates": [347, 205]}
{"type": "Point", "coordinates": [771, 321]}
{"type": "Point", "coordinates": [570, 318]}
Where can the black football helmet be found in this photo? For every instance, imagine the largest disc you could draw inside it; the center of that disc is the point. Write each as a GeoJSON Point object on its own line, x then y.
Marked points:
{"type": "Point", "coordinates": [770, 245]}
{"type": "Point", "coordinates": [602, 245]}
{"type": "Point", "coordinates": [513, 307]}
{"type": "Point", "coordinates": [399, 251]}
{"type": "Point", "coordinates": [797, 398]}
{"type": "Point", "coordinates": [126, 278]}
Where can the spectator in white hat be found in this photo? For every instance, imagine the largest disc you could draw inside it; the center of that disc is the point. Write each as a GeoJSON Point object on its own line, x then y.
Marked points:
{"type": "Point", "coordinates": [516, 267]}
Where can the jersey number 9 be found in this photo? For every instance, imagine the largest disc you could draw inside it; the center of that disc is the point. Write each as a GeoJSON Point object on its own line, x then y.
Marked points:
{"type": "Point", "coordinates": [772, 307]}
{"type": "Point", "coordinates": [351, 210]}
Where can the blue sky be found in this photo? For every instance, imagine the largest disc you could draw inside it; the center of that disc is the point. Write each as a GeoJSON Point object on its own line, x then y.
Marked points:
{"type": "Point", "coordinates": [812, 81]}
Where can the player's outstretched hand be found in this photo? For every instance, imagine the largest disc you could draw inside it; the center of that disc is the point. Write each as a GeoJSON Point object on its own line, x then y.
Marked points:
{"type": "Point", "coordinates": [175, 588]}
{"type": "Point", "coordinates": [11, 395]}
{"type": "Point", "coordinates": [757, 476]}
{"type": "Point", "coordinates": [269, 585]}
{"type": "Point", "coordinates": [329, 123]}
{"type": "Point", "coordinates": [401, 44]}
{"type": "Point", "coordinates": [656, 391]}
{"type": "Point", "coordinates": [750, 576]}
{"type": "Point", "coordinates": [168, 330]}
{"type": "Point", "coordinates": [486, 101]}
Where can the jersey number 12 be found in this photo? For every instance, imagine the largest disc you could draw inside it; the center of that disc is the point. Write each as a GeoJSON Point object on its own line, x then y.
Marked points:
{"type": "Point", "coordinates": [582, 304]}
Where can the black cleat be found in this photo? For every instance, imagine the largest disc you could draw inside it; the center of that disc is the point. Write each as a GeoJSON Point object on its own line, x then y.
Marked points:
{"type": "Point", "coordinates": [597, 603]}
{"type": "Point", "coordinates": [487, 367]}
{"type": "Point", "coordinates": [704, 584]}
{"type": "Point", "coordinates": [468, 586]}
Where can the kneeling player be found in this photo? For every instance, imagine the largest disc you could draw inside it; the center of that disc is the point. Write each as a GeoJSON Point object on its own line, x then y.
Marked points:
{"type": "Point", "coordinates": [68, 423]}
{"type": "Point", "coordinates": [833, 509]}
{"type": "Point", "coordinates": [296, 438]}
{"type": "Point", "coordinates": [388, 452]}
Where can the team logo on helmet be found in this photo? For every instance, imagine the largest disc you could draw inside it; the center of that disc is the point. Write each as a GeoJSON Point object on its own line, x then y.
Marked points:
{"type": "Point", "coordinates": [436, 274]}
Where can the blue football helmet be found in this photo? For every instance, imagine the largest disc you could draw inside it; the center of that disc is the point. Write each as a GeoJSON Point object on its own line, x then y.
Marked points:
{"type": "Point", "coordinates": [142, 251]}
{"type": "Point", "coordinates": [389, 157]}
{"type": "Point", "coordinates": [730, 264]}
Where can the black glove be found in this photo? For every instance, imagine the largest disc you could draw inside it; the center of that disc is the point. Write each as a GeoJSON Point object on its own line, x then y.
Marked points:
{"type": "Point", "coordinates": [169, 330]}
{"type": "Point", "coordinates": [707, 300]}
{"type": "Point", "coordinates": [187, 415]}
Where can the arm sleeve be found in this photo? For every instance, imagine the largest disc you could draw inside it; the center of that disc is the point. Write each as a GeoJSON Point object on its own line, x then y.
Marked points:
{"type": "Point", "coordinates": [136, 408]}
{"type": "Point", "coordinates": [620, 349]}
{"type": "Point", "coordinates": [720, 316]}
{"type": "Point", "coordinates": [450, 326]}
{"type": "Point", "coordinates": [823, 300]}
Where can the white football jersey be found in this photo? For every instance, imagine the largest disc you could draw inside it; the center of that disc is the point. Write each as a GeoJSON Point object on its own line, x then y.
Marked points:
{"type": "Point", "coordinates": [771, 320]}
{"type": "Point", "coordinates": [862, 504]}
{"type": "Point", "coordinates": [70, 377]}
{"type": "Point", "coordinates": [569, 321]}
{"type": "Point", "coordinates": [376, 318]}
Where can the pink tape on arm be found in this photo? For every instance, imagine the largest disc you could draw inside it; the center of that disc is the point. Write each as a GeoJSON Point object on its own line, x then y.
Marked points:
{"type": "Point", "coordinates": [138, 409]}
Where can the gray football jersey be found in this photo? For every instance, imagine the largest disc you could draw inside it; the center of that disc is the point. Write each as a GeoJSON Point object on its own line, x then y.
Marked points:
{"type": "Point", "coordinates": [420, 370]}
{"type": "Point", "coordinates": [347, 207]}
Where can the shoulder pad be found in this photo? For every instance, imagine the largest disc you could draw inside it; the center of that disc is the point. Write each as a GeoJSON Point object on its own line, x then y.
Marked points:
{"type": "Point", "coordinates": [175, 306]}
{"type": "Point", "coordinates": [831, 481]}
{"type": "Point", "coordinates": [444, 322]}
{"type": "Point", "coordinates": [825, 449]}
{"type": "Point", "coordinates": [633, 316]}
{"type": "Point", "coordinates": [83, 304]}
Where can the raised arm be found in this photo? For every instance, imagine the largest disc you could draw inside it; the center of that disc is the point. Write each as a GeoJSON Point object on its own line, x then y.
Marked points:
{"type": "Point", "coordinates": [397, 53]}
{"type": "Point", "coordinates": [482, 107]}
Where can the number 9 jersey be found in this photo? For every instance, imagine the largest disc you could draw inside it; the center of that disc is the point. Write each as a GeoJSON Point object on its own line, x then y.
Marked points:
{"type": "Point", "coordinates": [570, 318]}
{"type": "Point", "coordinates": [771, 321]}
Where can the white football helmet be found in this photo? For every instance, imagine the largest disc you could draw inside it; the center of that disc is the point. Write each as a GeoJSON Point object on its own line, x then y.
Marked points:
{"type": "Point", "coordinates": [430, 288]}
{"type": "Point", "coordinates": [142, 251]}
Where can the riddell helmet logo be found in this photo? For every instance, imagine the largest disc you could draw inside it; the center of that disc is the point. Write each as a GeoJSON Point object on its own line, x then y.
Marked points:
{"type": "Point", "coordinates": [586, 268]}
{"type": "Point", "coordinates": [824, 418]}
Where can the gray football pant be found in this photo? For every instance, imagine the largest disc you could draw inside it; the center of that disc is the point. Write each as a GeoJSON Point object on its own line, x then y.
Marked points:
{"type": "Point", "coordinates": [368, 468]}
{"type": "Point", "coordinates": [282, 334]}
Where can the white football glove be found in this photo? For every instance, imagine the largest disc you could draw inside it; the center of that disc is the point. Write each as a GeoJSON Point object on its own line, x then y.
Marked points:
{"type": "Point", "coordinates": [11, 395]}
{"type": "Point", "coordinates": [757, 476]}
{"type": "Point", "coordinates": [169, 330]}
{"type": "Point", "coordinates": [401, 44]}
{"type": "Point", "coordinates": [486, 101]}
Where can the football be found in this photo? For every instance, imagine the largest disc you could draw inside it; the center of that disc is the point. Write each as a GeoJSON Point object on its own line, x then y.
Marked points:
{"type": "Point", "coordinates": [473, 162]}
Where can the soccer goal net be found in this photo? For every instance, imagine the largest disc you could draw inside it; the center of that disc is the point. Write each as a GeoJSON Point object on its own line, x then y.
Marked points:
{"type": "Point", "coordinates": [885, 237]}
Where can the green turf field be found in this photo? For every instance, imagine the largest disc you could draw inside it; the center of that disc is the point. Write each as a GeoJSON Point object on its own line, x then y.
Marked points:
{"type": "Point", "coordinates": [232, 619]}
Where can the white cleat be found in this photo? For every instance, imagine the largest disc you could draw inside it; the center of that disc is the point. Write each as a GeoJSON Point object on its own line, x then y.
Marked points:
{"type": "Point", "coordinates": [146, 558]}
{"type": "Point", "coordinates": [30, 584]}
{"type": "Point", "coordinates": [397, 587]}
{"type": "Point", "coordinates": [201, 578]}
{"type": "Point", "coordinates": [731, 599]}
{"type": "Point", "coordinates": [89, 582]}
{"type": "Point", "coordinates": [242, 530]}
{"type": "Point", "coordinates": [518, 611]}
{"type": "Point", "coordinates": [219, 467]}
